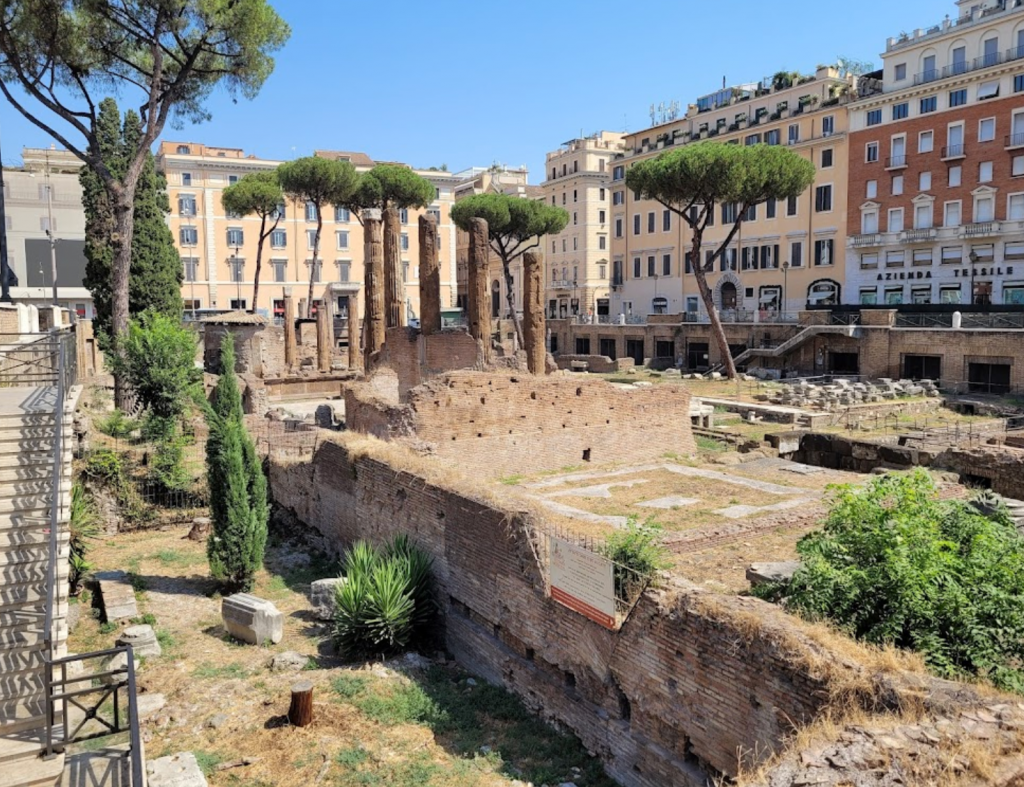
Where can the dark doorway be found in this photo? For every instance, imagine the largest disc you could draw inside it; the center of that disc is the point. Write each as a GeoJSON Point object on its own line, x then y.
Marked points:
{"type": "Point", "coordinates": [582, 345]}
{"type": "Point", "coordinates": [991, 378]}
{"type": "Point", "coordinates": [608, 348]}
{"type": "Point", "coordinates": [922, 367]}
{"type": "Point", "coordinates": [728, 295]}
{"type": "Point", "coordinates": [844, 363]}
{"type": "Point", "coordinates": [663, 349]}
{"type": "Point", "coordinates": [635, 350]}
{"type": "Point", "coordinates": [553, 349]}
{"type": "Point", "coordinates": [602, 307]}
{"type": "Point", "coordinates": [697, 355]}
{"type": "Point", "coordinates": [495, 300]}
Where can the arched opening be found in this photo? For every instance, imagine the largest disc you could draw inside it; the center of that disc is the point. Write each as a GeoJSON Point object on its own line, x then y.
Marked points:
{"type": "Point", "coordinates": [495, 300]}
{"type": "Point", "coordinates": [659, 305]}
{"type": "Point", "coordinates": [728, 295]}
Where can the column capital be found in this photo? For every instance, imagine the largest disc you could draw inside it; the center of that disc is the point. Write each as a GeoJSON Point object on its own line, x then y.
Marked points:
{"type": "Point", "coordinates": [371, 214]}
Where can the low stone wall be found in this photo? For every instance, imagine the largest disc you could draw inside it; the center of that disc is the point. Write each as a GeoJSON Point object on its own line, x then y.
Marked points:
{"type": "Point", "coordinates": [843, 453]}
{"type": "Point", "coordinates": [502, 424]}
{"type": "Point", "coordinates": [690, 687]}
{"type": "Point", "coordinates": [600, 364]}
{"type": "Point", "coordinates": [283, 387]}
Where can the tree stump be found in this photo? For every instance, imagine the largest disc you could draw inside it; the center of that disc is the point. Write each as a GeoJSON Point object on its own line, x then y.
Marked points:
{"type": "Point", "coordinates": [300, 712]}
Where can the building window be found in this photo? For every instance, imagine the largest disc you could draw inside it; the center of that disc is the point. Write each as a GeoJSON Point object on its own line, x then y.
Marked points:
{"type": "Point", "coordinates": [636, 224]}
{"type": "Point", "coordinates": [600, 192]}
{"type": "Point", "coordinates": [618, 197]}
{"type": "Point", "coordinates": [893, 296]}
{"type": "Point", "coordinates": [666, 221]}
{"type": "Point", "coordinates": [900, 111]}
{"type": "Point", "coordinates": [575, 197]}
{"type": "Point", "coordinates": [344, 271]}
{"type": "Point", "coordinates": [988, 90]}
{"type": "Point", "coordinates": [823, 199]}
{"type": "Point", "coordinates": [236, 237]}
{"type": "Point", "coordinates": [311, 211]}
{"type": "Point", "coordinates": [828, 125]}
{"type": "Point", "coordinates": [342, 215]}
{"type": "Point", "coordinates": [666, 265]}
{"type": "Point", "coordinates": [985, 172]}
{"type": "Point", "coordinates": [791, 206]}
{"type": "Point", "coordinates": [957, 98]}
{"type": "Point", "coordinates": [825, 293]}
{"type": "Point", "coordinates": [310, 238]}
{"type": "Point", "coordinates": [186, 205]}
{"type": "Point", "coordinates": [924, 182]}
{"type": "Point", "coordinates": [796, 254]}
{"type": "Point", "coordinates": [183, 150]}
{"type": "Point", "coordinates": [984, 209]}
{"type": "Point", "coordinates": [278, 239]}
{"type": "Point", "coordinates": [900, 72]}
{"type": "Point", "coordinates": [1018, 83]}
{"type": "Point", "coordinates": [342, 239]}
{"type": "Point", "coordinates": [896, 220]}
{"type": "Point", "coordinates": [728, 213]}
{"type": "Point", "coordinates": [563, 197]}
{"type": "Point", "coordinates": [794, 133]}
{"type": "Point", "coordinates": [871, 152]}
{"type": "Point", "coordinates": [575, 218]}
{"type": "Point", "coordinates": [869, 261]}
{"type": "Point", "coordinates": [651, 269]}
{"type": "Point", "coordinates": [986, 129]}
{"type": "Point", "coordinates": [769, 208]}
{"type": "Point", "coordinates": [871, 189]}
{"type": "Point", "coordinates": [1015, 208]}
{"type": "Point", "coordinates": [923, 217]}
{"type": "Point", "coordinates": [826, 158]}
{"type": "Point", "coordinates": [874, 117]}
{"type": "Point", "coordinates": [315, 270]}
{"type": "Point", "coordinates": [955, 175]}
{"type": "Point", "coordinates": [636, 267]}
{"type": "Point", "coordinates": [773, 137]}
{"type": "Point", "coordinates": [922, 257]}
{"type": "Point", "coordinates": [650, 223]}
{"type": "Point", "coordinates": [280, 211]}
{"type": "Point", "coordinates": [952, 255]}
{"type": "Point", "coordinates": [403, 215]}
{"type": "Point", "coordinates": [618, 228]}
{"type": "Point", "coordinates": [926, 142]}
{"type": "Point", "coordinates": [949, 293]}
{"type": "Point", "coordinates": [602, 242]}
{"type": "Point", "coordinates": [280, 270]}
{"type": "Point", "coordinates": [951, 214]}
{"type": "Point", "coordinates": [618, 173]}
{"type": "Point", "coordinates": [751, 214]}
{"type": "Point", "coordinates": [602, 271]}
{"type": "Point", "coordinates": [601, 216]}
{"type": "Point", "coordinates": [929, 104]}
{"type": "Point", "coordinates": [237, 270]}
{"type": "Point", "coordinates": [823, 252]}
{"type": "Point", "coordinates": [189, 236]}
{"type": "Point", "coordinates": [564, 246]}
{"type": "Point", "coordinates": [897, 185]}
{"type": "Point", "coordinates": [895, 259]}
{"type": "Point", "coordinates": [191, 266]}
{"type": "Point", "coordinates": [575, 244]}
{"type": "Point", "coordinates": [186, 178]}
{"type": "Point", "coordinates": [869, 222]}
{"type": "Point", "coordinates": [868, 296]}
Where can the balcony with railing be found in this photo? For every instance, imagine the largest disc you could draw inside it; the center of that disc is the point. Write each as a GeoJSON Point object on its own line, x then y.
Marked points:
{"type": "Point", "coordinates": [561, 284]}
{"type": "Point", "coordinates": [867, 239]}
{"type": "Point", "coordinates": [917, 235]}
{"type": "Point", "coordinates": [980, 229]}
{"type": "Point", "coordinates": [950, 152]}
{"type": "Point", "coordinates": [1015, 140]}
{"type": "Point", "coordinates": [896, 162]}
{"type": "Point", "coordinates": [929, 75]}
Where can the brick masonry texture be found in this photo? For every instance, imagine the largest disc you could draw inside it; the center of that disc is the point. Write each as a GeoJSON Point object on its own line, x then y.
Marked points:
{"type": "Point", "coordinates": [518, 424]}
{"type": "Point", "coordinates": [692, 684]}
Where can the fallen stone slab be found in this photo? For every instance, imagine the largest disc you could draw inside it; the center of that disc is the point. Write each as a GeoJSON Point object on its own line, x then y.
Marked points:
{"type": "Point", "coordinates": [148, 704]}
{"type": "Point", "coordinates": [321, 596]}
{"type": "Point", "coordinates": [762, 573]}
{"type": "Point", "coordinates": [142, 638]}
{"type": "Point", "coordinates": [251, 619]}
{"type": "Point", "coordinates": [119, 661]}
{"type": "Point", "coordinates": [118, 600]}
{"type": "Point", "coordinates": [176, 770]}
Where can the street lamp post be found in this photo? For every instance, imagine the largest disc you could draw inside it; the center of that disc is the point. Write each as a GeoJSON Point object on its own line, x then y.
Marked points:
{"type": "Point", "coordinates": [236, 270]}
{"type": "Point", "coordinates": [49, 229]}
{"type": "Point", "coordinates": [192, 260]}
{"type": "Point", "coordinates": [785, 284]}
{"type": "Point", "coordinates": [973, 257]}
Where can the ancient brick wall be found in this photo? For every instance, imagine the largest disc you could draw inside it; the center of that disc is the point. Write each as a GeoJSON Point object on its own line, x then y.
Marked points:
{"type": "Point", "coordinates": [692, 683]}
{"type": "Point", "coordinates": [416, 358]}
{"type": "Point", "coordinates": [512, 424]}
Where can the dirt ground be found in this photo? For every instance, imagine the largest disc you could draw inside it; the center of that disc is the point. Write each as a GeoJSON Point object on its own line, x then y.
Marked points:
{"type": "Point", "coordinates": [430, 724]}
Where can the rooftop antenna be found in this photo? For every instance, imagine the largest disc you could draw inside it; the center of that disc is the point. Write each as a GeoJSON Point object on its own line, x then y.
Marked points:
{"type": "Point", "coordinates": [723, 83]}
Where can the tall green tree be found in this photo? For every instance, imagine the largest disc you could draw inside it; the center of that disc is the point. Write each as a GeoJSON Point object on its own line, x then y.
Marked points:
{"type": "Point", "coordinates": [317, 181]}
{"type": "Point", "coordinates": [514, 226]}
{"type": "Point", "coordinates": [693, 180]}
{"type": "Point", "coordinates": [156, 272]}
{"type": "Point", "coordinates": [238, 488]}
{"type": "Point", "coordinates": [256, 194]}
{"type": "Point", "coordinates": [59, 57]}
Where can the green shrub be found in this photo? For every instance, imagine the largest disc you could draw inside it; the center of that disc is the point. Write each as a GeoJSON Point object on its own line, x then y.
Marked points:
{"type": "Point", "coordinates": [895, 565]}
{"type": "Point", "coordinates": [111, 469]}
{"type": "Point", "coordinates": [117, 425]}
{"type": "Point", "coordinates": [387, 599]}
{"type": "Point", "coordinates": [83, 527]}
{"type": "Point", "coordinates": [638, 553]}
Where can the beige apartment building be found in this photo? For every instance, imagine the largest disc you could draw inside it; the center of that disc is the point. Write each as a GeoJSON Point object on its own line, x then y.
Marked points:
{"type": "Point", "coordinates": [578, 179]}
{"type": "Point", "coordinates": [787, 254]}
{"type": "Point", "coordinates": [218, 251]}
{"type": "Point", "coordinates": [496, 179]}
{"type": "Point", "coordinates": [41, 195]}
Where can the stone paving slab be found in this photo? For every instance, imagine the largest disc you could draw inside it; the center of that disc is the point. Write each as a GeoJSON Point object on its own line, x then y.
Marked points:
{"type": "Point", "coordinates": [586, 516]}
{"type": "Point", "coordinates": [725, 478]}
{"type": "Point", "coordinates": [599, 491]}
{"type": "Point", "coordinates": [669, 502]}
{"type": "Point", "coordinates": [739, 512]}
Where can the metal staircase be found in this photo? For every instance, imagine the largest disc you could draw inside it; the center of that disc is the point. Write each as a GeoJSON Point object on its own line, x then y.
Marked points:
{"type": "Point", "coordinates": [793, 342]}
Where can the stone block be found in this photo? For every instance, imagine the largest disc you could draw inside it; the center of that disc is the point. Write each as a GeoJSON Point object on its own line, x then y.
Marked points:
{"type": "Point", "coordinates": [251, 619]}
{"type": "Point", "coordinates": [321, 596]}
{"type": "Point", "coordinates": [176, 770]}
{"type": "Point", "coordinates": [118, 600]}
{"type": "Point", "coordinates": [761, 573]}
{"type": "Point", "coordinates": [118, 661]}
{"type": "Point", "coordinates": [142, 638]}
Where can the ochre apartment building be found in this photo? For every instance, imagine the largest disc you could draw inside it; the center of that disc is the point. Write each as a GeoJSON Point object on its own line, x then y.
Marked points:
{"type": "Point", "coordinates": [936, 203]}
{"type": "Point", "coordinates": [218, 251]}
{"type": "Point", "coordinates": [787, 254]}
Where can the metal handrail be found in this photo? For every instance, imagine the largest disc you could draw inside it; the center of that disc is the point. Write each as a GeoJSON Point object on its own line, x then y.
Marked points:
{"type": "Point", "coordinates": [56, 692]}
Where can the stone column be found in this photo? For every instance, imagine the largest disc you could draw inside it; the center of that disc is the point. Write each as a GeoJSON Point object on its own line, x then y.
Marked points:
{"type": "Point", "coordinates": [394, 289]}
{"type": "Point", "coordinates": [373, 281]}
{"type": "Point", "coordinates": [430, 278]}
{"type": "Point", "coordinates": [355, 358]}
{"type": "Point", "coordinates": [479, 296]}
{"type": "Point", "coordinates": [290, 351]}
{"type": "Point", "coordinates": [533, 313]}
{"type": "Point", "coordinates": [324, 337]}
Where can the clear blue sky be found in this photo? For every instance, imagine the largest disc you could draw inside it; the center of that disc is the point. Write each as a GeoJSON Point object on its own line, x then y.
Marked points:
{"type": "Point", "coordinates": [469, 83]}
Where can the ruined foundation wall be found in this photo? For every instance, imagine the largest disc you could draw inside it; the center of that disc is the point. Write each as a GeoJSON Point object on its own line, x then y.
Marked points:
{"type": "Point", "coordinates": [416, 358]}
{"type": "Point", "coordinates": [683, 684]}
{"type": "Point", "coordinates": [506, 425]}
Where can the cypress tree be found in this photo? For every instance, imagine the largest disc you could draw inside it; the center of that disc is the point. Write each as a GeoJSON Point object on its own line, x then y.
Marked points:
{"type": "Point", "coordinates": [155, 274]}
{"type": "Point", "coordinates": [238, 488]}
